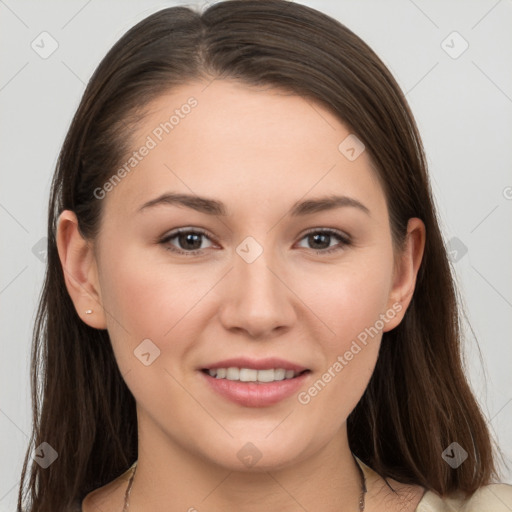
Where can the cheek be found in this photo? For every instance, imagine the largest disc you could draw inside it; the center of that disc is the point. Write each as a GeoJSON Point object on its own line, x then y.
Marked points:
{"type": "Point", "coordinates": [146, 300]}
{"type": "Point", "coordinates": [350, 297]}
{"type": "Point", "coordinates": [350, 302]}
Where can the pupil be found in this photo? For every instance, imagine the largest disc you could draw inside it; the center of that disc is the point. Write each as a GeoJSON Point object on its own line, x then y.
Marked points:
{"type": "Point", "coordinates": [315, 237]}
{"type": "Point", "coordinates": [191, 238]}
{"type": "Point", "coordinates": [188, 238]}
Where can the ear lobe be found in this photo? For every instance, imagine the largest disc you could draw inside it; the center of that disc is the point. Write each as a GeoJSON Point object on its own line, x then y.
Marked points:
{"type": "Point", "coordinates": [406, 270]}
{"type": "Point", "coordinates": [80, 272]}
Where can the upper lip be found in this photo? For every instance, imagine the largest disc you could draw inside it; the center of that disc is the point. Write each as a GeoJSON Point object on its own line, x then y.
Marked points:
{"type": "Point", "coordinates": [256, 364]}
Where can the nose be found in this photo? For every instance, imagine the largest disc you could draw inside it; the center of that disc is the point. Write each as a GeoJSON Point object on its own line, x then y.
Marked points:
{"type": "Point", "coordinates": [257, 299]}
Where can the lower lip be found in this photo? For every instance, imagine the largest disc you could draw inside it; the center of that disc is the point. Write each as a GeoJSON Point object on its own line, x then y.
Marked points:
{"type": "Point", "coordinates": [255, 394]}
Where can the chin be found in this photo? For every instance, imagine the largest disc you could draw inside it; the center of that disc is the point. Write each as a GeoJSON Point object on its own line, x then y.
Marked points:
{"type": "Point", "coordinates": [260, 455]}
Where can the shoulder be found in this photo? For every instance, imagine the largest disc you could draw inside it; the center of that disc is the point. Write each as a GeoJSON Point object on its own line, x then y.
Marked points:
{"type": "Point", "coordinates": [493, 497]}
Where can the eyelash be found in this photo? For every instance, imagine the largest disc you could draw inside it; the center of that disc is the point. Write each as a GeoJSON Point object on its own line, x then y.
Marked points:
{"type": "Point", "coordinates": [344, 240]}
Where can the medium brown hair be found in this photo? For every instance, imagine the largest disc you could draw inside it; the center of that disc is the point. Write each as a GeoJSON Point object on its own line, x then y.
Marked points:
{"type": "Point", "coordinates": [418, 400]}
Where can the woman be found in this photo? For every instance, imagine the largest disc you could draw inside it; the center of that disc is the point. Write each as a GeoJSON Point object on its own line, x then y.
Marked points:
{"type": "Point", "coordinates": [303, 353]}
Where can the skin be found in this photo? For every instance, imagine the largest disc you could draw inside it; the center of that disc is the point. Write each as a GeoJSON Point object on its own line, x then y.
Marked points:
{"type": "Point", "coordinates": [258, 151]}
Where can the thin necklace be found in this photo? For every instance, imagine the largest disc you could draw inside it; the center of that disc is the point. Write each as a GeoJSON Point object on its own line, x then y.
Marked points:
{"type": "Point", "coordinates": [361, 498]}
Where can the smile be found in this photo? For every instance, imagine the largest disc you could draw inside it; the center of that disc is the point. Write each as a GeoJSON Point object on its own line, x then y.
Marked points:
{"type": "Point", "coordinates": [261, 388]}
{"type": "Point", "coordinates": [252, 375]}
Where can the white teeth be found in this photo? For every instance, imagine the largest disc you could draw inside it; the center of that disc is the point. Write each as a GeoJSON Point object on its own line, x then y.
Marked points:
{"type": "Point", "coordinates": [252, 375]}
{"type": "Point", "coordinates": [233, 374]}
{"type": "Point", "coordinates": [289, 374]}
{"type": "Point", "coordinates": [248, 375]}
{"type": "Point", "coordinates": [266, 375]}
{"type": "Point", "coordinates": [279, 374]}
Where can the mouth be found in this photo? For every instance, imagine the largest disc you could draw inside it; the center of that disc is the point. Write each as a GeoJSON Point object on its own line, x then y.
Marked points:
{"type": "Point", "coordinates": [255, 383]}
{"type": "Point", "coordinates": [253, 375]}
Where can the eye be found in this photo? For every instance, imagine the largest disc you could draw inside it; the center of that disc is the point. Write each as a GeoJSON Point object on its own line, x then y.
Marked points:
{"type": "Point", "coordinates": [321, 238]}
{"type": "Point", "coordinates": [188, 240]}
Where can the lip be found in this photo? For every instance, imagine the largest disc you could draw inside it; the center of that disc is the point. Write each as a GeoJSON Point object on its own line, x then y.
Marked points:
{"type": "Point", "coordinates": [252, 394]}
{"type": "Point", "coordinates": [255, 364]}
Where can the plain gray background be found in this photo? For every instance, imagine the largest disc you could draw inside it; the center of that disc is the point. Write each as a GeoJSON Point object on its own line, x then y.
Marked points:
{"type": "Point", "coordinates": [462, 101]}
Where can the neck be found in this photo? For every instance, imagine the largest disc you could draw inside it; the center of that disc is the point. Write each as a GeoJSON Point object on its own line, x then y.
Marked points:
{"type": "Point", "coordinates": [174, 479]}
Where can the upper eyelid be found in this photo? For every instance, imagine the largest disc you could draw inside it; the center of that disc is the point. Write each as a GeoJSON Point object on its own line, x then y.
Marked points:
{"type": "Point", "coordinates": [174, 233]}
{"type": "Point", "coordinates": [332, 231]}
{"type": "Point", "coordinates": [178, 231]}
{"type": "Point", "coordinates": [204, 232]}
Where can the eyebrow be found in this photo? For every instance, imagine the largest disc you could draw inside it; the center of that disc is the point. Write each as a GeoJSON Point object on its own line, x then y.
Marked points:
{"type": "Point", "coordinates": [217, 208]}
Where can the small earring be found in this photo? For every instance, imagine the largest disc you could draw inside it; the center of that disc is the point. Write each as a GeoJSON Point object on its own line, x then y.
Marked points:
{"type": "Point", "coordinates": [88, 312]}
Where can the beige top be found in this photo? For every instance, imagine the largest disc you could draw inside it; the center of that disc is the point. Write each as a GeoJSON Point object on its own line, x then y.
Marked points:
{"type": "Point", "coordinates": [489, 498]}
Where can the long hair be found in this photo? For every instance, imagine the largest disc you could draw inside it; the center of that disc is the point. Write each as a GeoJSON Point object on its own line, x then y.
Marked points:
{"type": "Point", "coordinates": [418, 400]}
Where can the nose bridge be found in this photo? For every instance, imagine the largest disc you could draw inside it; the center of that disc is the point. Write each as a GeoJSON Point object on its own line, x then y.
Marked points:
{"type": "Point", "coordinates": [252, 268]}
{"type": "Point", "coordinates": [257, 300]}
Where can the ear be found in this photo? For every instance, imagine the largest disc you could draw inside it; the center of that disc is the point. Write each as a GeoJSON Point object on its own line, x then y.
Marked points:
{"type": "Point", "coordinates": [80, 271]}
{"type": "Point", "coordinates": [406, 269]}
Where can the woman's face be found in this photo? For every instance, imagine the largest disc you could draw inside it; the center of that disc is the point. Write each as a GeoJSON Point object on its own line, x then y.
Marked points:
{"type": "Point", "coordinates": [271, 273]}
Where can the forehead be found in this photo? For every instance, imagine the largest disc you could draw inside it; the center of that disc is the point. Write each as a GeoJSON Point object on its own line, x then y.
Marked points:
{"type": "Point", "coordinates": [241, 144]}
